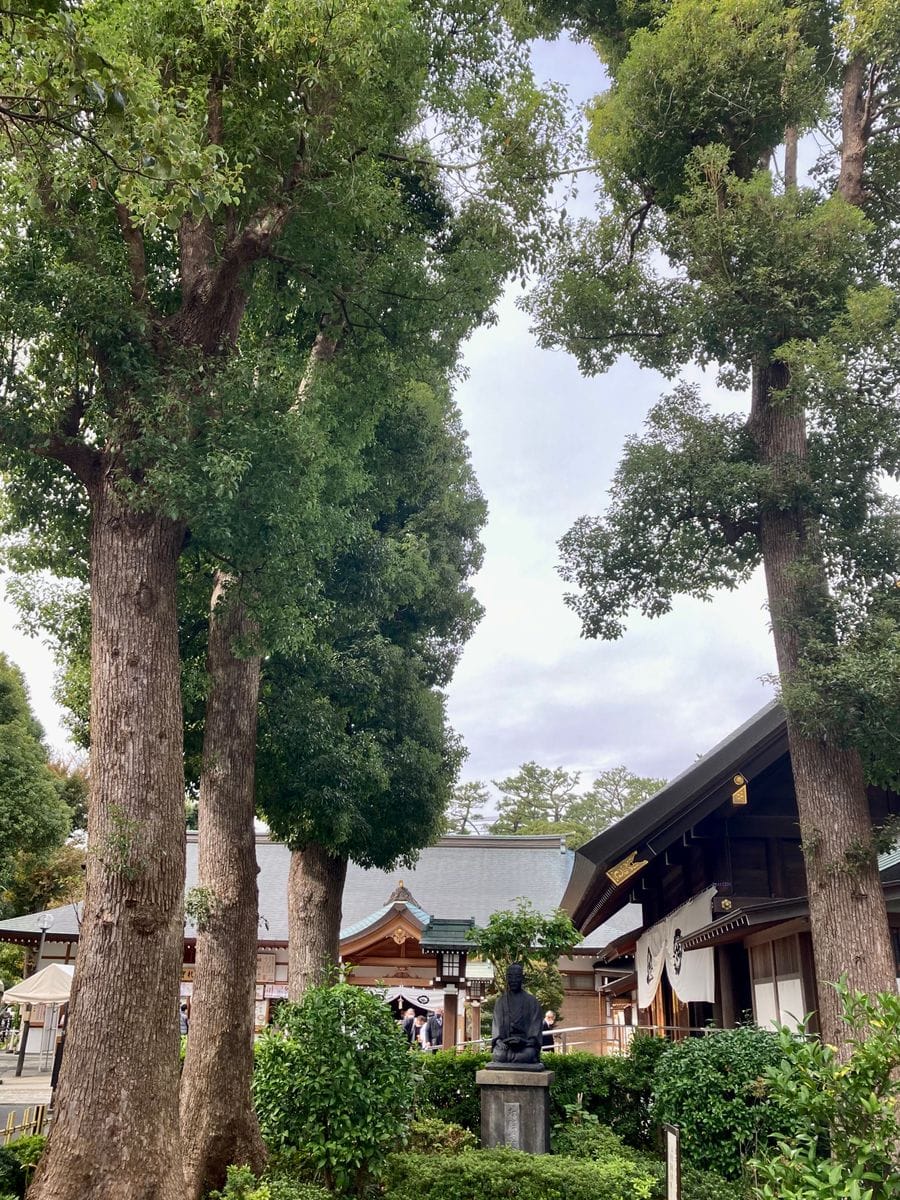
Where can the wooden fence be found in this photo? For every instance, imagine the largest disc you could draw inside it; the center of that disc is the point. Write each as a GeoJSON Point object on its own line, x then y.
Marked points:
{"type": "Point", "coordinates": [32, 1122]}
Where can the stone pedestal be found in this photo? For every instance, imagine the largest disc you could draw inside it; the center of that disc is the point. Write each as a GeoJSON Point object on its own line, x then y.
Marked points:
{"type": "Point", "coordinates": [515, 1109]}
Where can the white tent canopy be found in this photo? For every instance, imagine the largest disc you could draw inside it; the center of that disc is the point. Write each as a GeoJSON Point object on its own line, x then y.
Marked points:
{"type": "Point", "coordinates": [51, 985]}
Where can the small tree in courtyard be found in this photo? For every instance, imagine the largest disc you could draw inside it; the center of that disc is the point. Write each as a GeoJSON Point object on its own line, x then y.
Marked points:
{"type": "Point", "coordinates": [334, 1085]}
{"type": "Point", "coordinates": [536, 941]}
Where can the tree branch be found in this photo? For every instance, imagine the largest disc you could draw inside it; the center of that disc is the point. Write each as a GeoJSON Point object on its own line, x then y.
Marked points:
{"type": "Point", "coordinates": [137, 259]}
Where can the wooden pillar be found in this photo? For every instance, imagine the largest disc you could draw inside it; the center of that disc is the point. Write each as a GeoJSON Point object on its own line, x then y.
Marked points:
{"type": "Point", "coordinates": [451, 1017]}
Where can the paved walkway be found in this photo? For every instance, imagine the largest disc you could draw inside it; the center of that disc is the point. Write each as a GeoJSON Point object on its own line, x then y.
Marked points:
{"type": "Point", "coordinates": [31, 1087]}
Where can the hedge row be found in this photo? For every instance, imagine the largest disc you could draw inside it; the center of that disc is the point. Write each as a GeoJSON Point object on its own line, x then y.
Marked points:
{"type": "Point", "coordinates": [512, 1175]}
{"type": "Point", "coordinates": [614, 1089]}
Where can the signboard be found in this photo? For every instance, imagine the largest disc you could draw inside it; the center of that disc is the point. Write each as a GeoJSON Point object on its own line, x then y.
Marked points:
{"type": "Point", "coordinates": [265, 966]}
{"type": "Point", "coordinates": [261, 1015]}
{"type": "Point", "coordinates": [275, 991]}
{"type": "Point", "coordinates": [187, 974]}
{"type": "Point", "coordinates": [673, 1162]}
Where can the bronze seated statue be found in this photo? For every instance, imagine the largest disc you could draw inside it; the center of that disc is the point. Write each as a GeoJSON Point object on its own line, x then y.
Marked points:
{"type": "Point", "coordinates": [516, 1030]}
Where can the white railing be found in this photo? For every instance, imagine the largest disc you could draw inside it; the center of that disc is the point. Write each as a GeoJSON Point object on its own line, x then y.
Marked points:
{"type": "Point", "coordinates": [602, 1039]}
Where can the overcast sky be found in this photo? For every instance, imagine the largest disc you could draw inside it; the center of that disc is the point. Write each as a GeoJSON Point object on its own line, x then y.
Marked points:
{"type": "Point", "coordinates": [544, 443]}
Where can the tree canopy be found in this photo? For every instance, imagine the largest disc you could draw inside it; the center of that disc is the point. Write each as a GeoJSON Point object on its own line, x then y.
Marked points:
{"type": "Point", "coordinates": [34, 817]}
{"type": "Point", "coordinates": [549, 800]}
{"type": "Point", "coordinates": [536, 940]}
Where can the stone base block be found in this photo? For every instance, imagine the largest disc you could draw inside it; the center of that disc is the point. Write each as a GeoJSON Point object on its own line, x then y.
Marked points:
{"type": "Point", "coordinates": [515, 1109]}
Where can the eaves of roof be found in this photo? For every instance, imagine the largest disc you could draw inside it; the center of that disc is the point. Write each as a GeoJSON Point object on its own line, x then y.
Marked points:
{"type": "Point", "coordinates": [654, 825]}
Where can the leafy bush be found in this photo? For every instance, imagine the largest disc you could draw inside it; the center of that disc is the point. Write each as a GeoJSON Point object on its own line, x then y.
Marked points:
{"type": "Point", "coordinates": [512, 1175]}
{"type": "Point", "coordinates": [714, 1088]}
{"type": "Point", "coordinates": [584, 1137]}
{"type": "Point", "coordinates": [334, 1085]}
{"type": "Point", "coordinates": [587, 1138]}
{"type": "Point", "coordinates": [842, 1136]}
{"type": "Point", "coordinates": [615, 1088]}
{"type": "Point", "coordinates": [446, 1088]}
{"type": "Point", "coordinates": [242, 1184]}
{"type": "Point", "coordinates": [430, 1135]}
{"type": "Point", "coordinates": [17, 1163]}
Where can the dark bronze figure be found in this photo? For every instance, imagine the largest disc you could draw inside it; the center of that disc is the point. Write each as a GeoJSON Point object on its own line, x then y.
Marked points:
{"type": "Point", "coordinates": [516, 1030]}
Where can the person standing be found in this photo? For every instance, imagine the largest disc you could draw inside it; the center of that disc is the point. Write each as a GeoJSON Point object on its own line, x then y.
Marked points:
{"type": "Point", "coordinates": [409, 1019]}
{"type": "Point", "coordinates": [434, 1031]}
{"type": "Point", "coordinates": [419, 1026]}
{"type": "Point", "coordinates": [547, 1042]}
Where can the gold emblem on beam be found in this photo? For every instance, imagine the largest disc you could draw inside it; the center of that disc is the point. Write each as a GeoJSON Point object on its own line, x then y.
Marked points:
{"type": "Point", "coordinates": [739, 795]}
{"type": "Point", "coordinates": [626, 868]}
{"type": "Point", "coordinates": [400, 935]}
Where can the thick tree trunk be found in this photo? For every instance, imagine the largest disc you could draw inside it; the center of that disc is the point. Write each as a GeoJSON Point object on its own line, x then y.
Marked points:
{"type": "Point", "coordinates": [218, 1124]}
{"type": "Point", "coordinates": [856, 124]}
{"type": "Point", "coordinates": [848, 917]}
{"type": "Point", "coordinates": [315, 896]}
{"type": "Point", "coordinates": [115, 1134]}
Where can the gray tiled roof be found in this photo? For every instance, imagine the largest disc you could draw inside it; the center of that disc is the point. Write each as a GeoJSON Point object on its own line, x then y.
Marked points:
{"type": "Point", "coordinates": [460, 877]}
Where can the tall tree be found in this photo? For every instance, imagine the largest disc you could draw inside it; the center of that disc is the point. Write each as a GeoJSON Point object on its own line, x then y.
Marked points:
{"type": "Point", "coordinates": [786, 288]}
{"type": "Point", "coordinates": [130, 247]}
{"type": "Point", "coordinates": [356, 759]}
{"type": "Point", "coordinates": [613, 793]}
{"type": "Point", "coordinates": [534, 793]}
{"type": "Point", "coordinates": [468, 801]}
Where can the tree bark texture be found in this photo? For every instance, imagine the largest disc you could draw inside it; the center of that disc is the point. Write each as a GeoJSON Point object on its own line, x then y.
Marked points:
{"type": "Point", "coordinates": [115, 1134]}
{"type": "Point", "coordinates": [218, 1123]}
{"type": "Point", "coordinates": [848, 917]}
{"type": "Point", "coordinates": [856, 128]}
{"type": "Point", "coordinates": [315, 896]}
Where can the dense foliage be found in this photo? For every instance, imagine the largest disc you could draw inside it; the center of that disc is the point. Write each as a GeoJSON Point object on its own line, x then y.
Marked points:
{"type": "Point", "coordinates": [841, 1134]}
{"type": "Point", "coordinates": [17, 1162]}
{"type": "Point", "coordinates": [242, 1184]}
{"type": "Point", "coordinates": [714, 1089]}
{"type": "Point", "coordinates": [526, 936]}
{"type": "Point", "coordinates": [334, 1085]}
{"type": "Point", "coordinates": [506, 1174]}
{"type": "Point", "coordinates": [355, 752]}
{"type": "Point", "coordinates": [613, 1089]}
{"type": "Point", "coordinates": [538, 799]}
{"type": "Point", "coordinates": [34, 817]}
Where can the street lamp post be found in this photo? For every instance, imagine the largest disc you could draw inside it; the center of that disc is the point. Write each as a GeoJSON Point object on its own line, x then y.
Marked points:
{"type": "Point", "coordinates": [45, 920]}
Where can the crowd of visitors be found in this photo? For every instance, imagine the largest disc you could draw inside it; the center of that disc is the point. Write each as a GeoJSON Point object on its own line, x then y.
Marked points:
{"type": "Point", "coordinates": [424, 1032]}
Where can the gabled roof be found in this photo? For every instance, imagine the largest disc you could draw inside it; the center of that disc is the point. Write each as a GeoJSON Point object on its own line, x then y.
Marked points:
{"type": "Point", "coordinates": [380, 915]}
{"type": "Point", "coordinates": [591, 895]}
{"type": "Point", "coordinates": [442, 934]}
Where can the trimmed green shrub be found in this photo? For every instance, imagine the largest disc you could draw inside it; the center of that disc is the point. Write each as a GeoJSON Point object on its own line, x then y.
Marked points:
{"type": "Point", "coordinates": [512, 1175]}
{"type": "Point", "coordinates": [334, 1085]}
{"type": "Point", "coordinates": [430, 1135]}
{"type": "Point", "coordinates": [616, 1089]}
{"type": "Point", "coordinates": [714, 1088]}
{"type": "Point", "coordinates": [446, 1088]}
{"type": "Point", "coordinates": [242, 1184]}
{"type": "Point", "coordinates": [587, 1139]}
